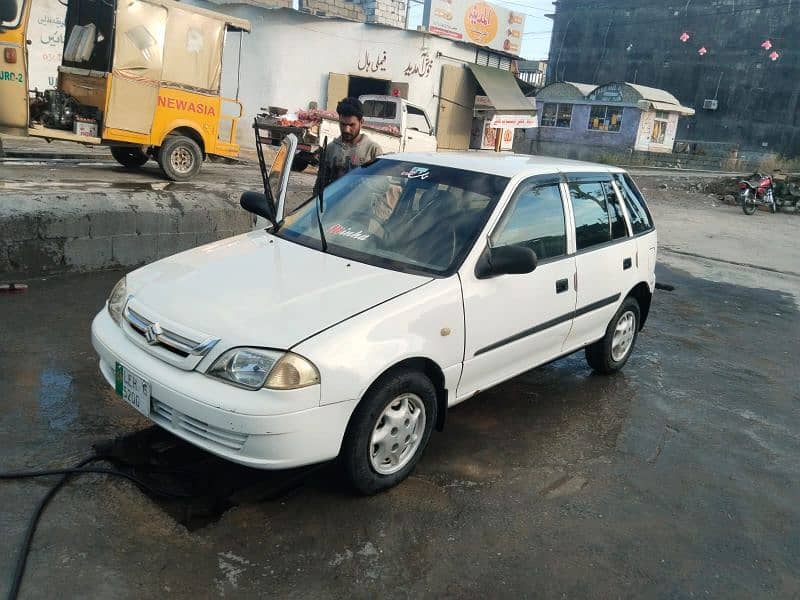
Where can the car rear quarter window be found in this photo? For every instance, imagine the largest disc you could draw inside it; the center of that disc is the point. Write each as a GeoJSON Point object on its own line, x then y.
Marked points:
{"type": "Point", "coordinates": [641, 221]}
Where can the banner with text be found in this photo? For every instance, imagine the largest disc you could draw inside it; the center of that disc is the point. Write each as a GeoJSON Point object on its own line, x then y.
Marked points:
{"type": "Point", "coordinates": [46, 35]}
{"type": "Point", "coordinates": [478, 22]}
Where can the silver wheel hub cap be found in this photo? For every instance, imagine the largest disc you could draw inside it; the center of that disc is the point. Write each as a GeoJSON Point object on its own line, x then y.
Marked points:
{"type": "Point", "coordinates": [182, 160]}
{"type": "Point", "coordinates": [397, 434]}
{"type": "Point", "coordinates": [623, 336]}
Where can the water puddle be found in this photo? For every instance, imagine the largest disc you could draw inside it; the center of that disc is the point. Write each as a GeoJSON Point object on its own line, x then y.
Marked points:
{"type": "Point", "coordinates": [204, 487]}
{"type": "Point", "coordinates": [56, 401]}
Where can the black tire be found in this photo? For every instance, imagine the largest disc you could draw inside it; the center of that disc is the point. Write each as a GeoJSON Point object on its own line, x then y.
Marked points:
{"type": "Point", "coordinates": [748, 204]}
{"type": "Point", "coordinates": [180, 157]}
{"type": "Point", "coordinates": [129, 157]}
{"type": "Point", "coordinates": [358, 449]}
{"type": "Point", "coordinates": [300, 164]}
{"type": "Point", "coordinates": [601, 355]}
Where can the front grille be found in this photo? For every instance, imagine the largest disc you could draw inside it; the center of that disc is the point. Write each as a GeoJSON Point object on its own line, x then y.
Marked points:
{"type": "Point", "coordinates": [168, 345]}
{"type": "Point", "coordinates": [166, 339]}
{"type": "Point", "coordinates": [162, 410]}
{"type": "Point", "coordinates": [165, 415]}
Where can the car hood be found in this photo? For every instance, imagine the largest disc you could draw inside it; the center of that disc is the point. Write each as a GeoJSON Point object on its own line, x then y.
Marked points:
{"type": "Point", "coordinates": [258, 289]}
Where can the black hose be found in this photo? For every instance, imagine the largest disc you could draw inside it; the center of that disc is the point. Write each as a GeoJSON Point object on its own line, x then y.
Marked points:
{"type": "Point", "coordinates": [66, 474]}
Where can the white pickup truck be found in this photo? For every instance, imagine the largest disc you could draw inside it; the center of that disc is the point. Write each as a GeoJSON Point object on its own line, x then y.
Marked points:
{"type": "Point", "coordinates": [393, 123]}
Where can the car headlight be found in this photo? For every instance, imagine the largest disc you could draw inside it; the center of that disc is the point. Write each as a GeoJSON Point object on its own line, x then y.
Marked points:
{"type": "Point", "coordinates": [116, 300]}
{"type": "Point", "coordinates": [254, 368]}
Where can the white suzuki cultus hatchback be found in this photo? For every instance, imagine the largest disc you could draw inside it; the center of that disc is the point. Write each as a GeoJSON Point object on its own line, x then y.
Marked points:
{"type": "Point", "coordinates": [348, 327]}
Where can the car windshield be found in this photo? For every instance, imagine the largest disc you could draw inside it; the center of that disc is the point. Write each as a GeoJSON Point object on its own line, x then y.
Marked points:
{"type": "Point", "coordinates": [400, 215]}
{"type": "Point", "coordinates": [10, 13]}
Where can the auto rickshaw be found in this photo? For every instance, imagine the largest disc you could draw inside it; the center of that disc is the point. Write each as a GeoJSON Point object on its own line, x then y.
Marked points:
{"type": "Point", "coordinates": [140, 76]}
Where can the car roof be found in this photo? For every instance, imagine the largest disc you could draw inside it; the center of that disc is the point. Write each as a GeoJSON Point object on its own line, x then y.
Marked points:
{"type": "Point", "coordinates": [505, 165]}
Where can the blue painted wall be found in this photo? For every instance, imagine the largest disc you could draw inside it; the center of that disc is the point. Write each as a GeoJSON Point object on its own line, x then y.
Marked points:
{"type": "Point", "coordinates": [579, 141]}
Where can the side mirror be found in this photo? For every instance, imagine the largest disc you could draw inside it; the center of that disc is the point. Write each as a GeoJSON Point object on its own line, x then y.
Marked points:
{"type": "Point", "coordinates": [505, 260]}
{"type": "Point", "coordinates": [258, 204]}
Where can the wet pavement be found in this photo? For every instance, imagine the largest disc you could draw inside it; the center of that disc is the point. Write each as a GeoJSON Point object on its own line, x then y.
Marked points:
{"type": "Point", "coordinates": [677, 478]}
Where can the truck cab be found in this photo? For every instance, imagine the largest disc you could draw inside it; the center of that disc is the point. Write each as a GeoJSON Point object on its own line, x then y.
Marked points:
{"type": "Point", "coordinates": [396, 114]}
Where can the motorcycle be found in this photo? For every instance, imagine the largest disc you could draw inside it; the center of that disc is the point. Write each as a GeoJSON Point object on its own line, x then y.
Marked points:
{"type": "Point", "coordinates": [760, 189]}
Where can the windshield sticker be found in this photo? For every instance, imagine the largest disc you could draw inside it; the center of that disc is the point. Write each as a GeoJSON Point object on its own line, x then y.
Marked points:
{"type": "Point", "coordinates": [339, 229]}
{"type": "Point", "coordinates": [417, 173]}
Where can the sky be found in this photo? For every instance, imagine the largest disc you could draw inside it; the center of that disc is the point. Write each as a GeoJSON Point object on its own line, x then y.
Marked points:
{"type": "Point", "coordinates": [536, 38]}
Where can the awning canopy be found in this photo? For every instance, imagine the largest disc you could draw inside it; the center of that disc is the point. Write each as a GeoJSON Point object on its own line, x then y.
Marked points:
{"type": "Point", "coordinates": [502, 89]}
{"type": "Point", "coordinates": [666, 106]}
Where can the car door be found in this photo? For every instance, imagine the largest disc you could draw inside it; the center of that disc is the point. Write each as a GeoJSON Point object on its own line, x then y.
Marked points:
{"type": "Point", "coordinates": [605, 255]}
{"type": "Point", "coordinates": [515, 322]}
{"type": "Point", "coordinates": [276, 179]}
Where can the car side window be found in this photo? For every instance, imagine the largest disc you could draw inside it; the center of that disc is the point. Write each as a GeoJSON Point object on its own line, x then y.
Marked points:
{"type": "Point", "coordinates": [592, 224]}
{"type": "Point", "coordinates": [615, 214]}
{"type": "Point", "coordinates": [534, 219]}
{"type": "Point", "coordinates": [641, 220]}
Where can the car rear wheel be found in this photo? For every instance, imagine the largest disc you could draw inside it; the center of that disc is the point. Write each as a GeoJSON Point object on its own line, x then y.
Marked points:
{"type": "Point", "coordinates": [389, 431]}
{"type": "Point", "coordinates": [180, 157]}
{"type": "Point", "coordinates": [610, 354]}
{"type": "Point", "coordinates": [129, 157]}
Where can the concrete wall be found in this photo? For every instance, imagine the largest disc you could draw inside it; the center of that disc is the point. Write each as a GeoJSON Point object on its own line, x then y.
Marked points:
{"type": "Point", "coordinates": [334, 8]}
{"type": "Point", "coordinates": [384, 12]}
{"type": "Point", "coordinates": [288, 56]}
{"type": "Point", "coordinates": [99, 231]}
{"type": "Point", "coordinates": [759, 99]}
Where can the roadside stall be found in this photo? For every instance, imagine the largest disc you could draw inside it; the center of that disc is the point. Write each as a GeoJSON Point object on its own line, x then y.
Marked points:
{"type": "Point", "coordinates": [499, 110]}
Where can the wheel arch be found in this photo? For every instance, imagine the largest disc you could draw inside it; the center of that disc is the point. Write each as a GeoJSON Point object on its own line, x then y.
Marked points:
{"type": "Point", "coordinates": [641, 292]}
{"type": "Point", "coordinates": [431, 370]}
{"type": "Point", "coordinates": [187, 131]}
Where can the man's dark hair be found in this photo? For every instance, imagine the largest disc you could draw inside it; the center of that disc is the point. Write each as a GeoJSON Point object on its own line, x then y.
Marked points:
{"type": "Point", "coordinates": [351, 107]}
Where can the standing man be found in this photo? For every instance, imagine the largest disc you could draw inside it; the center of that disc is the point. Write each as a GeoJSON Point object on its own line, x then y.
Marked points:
{"type": "Point", "coordinates": [351, 149]}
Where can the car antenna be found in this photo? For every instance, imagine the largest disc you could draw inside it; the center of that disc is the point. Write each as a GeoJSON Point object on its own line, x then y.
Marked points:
{"type": "Point", "coordinates": [320, 201]}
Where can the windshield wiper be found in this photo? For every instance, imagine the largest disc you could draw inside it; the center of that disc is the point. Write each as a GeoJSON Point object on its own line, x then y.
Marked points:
{"type": "Point", "coordinates": [320, 201]}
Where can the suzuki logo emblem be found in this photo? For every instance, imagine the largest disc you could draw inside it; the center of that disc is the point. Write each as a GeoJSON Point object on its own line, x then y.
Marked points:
{"type": "Point", "coordinates": [152, 332]}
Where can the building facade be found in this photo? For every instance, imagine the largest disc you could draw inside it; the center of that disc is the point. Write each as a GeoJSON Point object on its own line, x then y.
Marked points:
{"type": "Point", "coordinates": [582, 121]}
{"type": "Point", "coordinates": [735, 61]}
{"type": "Point", "coordinates": [296, 61]}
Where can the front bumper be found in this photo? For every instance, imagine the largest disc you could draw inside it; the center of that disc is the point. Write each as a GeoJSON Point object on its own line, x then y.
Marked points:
{"type": "Point", "coordinates": [253, 428]}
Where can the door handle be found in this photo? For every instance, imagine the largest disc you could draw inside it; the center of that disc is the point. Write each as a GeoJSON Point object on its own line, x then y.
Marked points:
{"type": "Point", "coordinates": [562, 285]}
{"type": "Point", "coordinates": [626, 264]}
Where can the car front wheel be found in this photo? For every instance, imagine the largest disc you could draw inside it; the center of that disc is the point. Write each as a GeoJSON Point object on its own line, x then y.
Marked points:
{"type": "Point", "coordinates": [389, 430]}
{"type": "Point", "coordinates": [610, 353]}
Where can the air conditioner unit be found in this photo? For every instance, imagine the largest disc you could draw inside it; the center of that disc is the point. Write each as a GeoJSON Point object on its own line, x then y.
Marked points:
{"type": "Point", "coordinates": [710, 104]}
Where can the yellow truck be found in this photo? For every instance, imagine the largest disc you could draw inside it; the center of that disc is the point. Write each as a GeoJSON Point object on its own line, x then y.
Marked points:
{"type": "Point", "coordinates": [140, 76]}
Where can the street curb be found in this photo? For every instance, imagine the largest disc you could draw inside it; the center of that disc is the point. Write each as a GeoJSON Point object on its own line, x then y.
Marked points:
{"type": "Point", "coordinates": [54, 156]}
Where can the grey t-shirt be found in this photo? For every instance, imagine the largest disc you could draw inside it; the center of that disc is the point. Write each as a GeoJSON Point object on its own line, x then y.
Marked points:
{"type": "Point", "coordinates": [340, 157]}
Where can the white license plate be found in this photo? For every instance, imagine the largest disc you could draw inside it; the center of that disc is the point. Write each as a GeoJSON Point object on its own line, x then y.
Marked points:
{"type": "Point", "coordinates": [134, 390]}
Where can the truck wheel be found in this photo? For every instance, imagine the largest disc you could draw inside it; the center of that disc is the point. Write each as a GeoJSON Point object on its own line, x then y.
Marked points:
{"type": "Point", "coordinates": [129, 156]}
{"type": "Point", "coordinates": [389, 430]}
{"type": "Point", "coordinates": [180, 157]}
{"type": "Point", "coordinates": [300, 164]}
